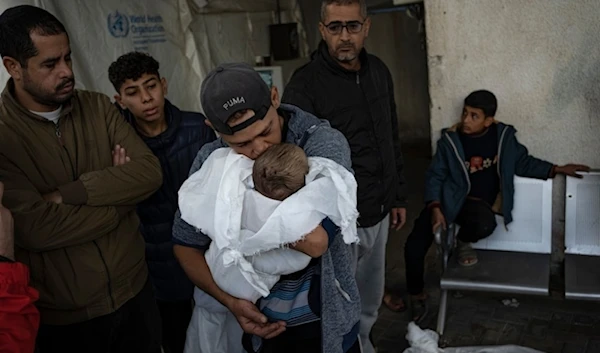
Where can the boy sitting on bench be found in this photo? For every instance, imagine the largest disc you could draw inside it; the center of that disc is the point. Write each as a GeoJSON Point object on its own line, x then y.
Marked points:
{"type": "Point", "coordinates": [469, 181]}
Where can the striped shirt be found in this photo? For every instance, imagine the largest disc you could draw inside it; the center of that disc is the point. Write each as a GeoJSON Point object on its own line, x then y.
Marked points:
{"type": "Point", "coordinates": [289, 298]}
{"type": "Point", "coordinates": [296, 298]}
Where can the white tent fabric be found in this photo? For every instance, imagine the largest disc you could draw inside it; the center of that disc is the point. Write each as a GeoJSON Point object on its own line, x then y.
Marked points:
{"type": "Point", "coordinates": [100, 31]}
{"type": "Point", "coordinates": [237, 36]}
{"type": "Point", "coordinates": [242, 5]}
{"type": "Point", "coordinates": [187, 37]}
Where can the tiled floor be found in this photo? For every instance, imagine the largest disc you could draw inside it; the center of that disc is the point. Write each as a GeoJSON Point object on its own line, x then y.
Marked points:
{"type": "Point", "coordinates": [549, 324]}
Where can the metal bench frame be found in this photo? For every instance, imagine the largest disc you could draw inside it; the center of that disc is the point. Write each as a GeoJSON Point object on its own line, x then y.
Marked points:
{"type": "Point", "coordinates": [533, 252]}
{"type": "Point", "coordinates": [582, 237]}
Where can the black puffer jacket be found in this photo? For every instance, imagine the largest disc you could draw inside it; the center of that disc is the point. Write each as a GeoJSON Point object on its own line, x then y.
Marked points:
{"type": "Point", "coordinates": [361, 105]}
{"type": "Point", "coordinates": [176, 149]}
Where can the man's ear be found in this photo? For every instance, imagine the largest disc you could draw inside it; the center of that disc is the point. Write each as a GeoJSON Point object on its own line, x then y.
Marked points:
{"type": "Point", "coordinates": [119, 101]}
{"type": "Point", "coordinates": [488, 121]}
{"type": "Point", "coordinates": [367, 26]}
{"type": "Point", "coordinates": [165, 86]}
{"type": "Point", "coordinates": [275, 97]}
{"type": "Point", "coordinates": [13, 67]}
{"type": "Point", "coordinates": [322, 30]}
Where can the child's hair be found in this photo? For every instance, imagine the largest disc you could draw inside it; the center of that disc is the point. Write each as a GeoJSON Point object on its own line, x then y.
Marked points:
{"type": "Point", "coordinates": [484, 100]}
{"type": "Point", "coordinates": [280, 171]}
{"type": "Point", "coordinates": [131, 66]}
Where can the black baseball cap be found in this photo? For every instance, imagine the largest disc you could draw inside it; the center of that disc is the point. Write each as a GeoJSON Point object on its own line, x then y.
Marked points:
{"type": "Point", "coordinates": [230, 88]}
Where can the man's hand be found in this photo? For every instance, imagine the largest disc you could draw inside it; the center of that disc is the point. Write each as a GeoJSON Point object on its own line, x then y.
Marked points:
{"type": "Point", "coordinates": [253, 321]}
{"type": "Point", "coordinates": [7, 235]}
{"type": "Point", "coordinates": [247, 314]}
{"type": "Point", "coordinates": [398, 218]}
{"type": "Point", "coordinates": [120, 156]}
{"type": "Point", "coordinates": [437, 219]}
{"type": "Point", "coordinates": [572, 169]}
{"type": "Point", "coordinates": [54, 196]}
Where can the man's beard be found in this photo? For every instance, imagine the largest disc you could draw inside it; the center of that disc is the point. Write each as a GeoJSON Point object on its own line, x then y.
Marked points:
{"type": "Point", "coordinates": [347, 56]}
{"type": "Point", "coordinates": [48, 98]}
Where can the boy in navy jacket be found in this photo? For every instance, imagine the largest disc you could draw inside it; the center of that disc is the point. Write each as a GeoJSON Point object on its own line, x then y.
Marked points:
{"type": "Point", "coordinates": [469, 181]}
{"type": "Point", "coordinates": [175, 137]}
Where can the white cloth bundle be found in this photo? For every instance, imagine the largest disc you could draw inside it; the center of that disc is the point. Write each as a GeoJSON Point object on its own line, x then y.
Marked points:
{"type": "Point", "coordinates": [426, 341]}
{"type": "Point", "coordinates": [250, 231]}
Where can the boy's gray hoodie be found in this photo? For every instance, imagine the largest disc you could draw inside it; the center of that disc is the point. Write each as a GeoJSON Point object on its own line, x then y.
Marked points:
{"type": "Point", "coordinates": [340, 303]}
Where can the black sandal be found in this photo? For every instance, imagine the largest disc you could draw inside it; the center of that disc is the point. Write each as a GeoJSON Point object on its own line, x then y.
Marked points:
{"type": "Point", "coordinates": [419, 309]}
{"type": "Point", "coordinates": [467, 256]}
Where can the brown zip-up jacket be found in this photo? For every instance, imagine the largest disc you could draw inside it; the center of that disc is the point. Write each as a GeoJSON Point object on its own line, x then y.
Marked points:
{"type": "Point", "coordinates": [86, 255]}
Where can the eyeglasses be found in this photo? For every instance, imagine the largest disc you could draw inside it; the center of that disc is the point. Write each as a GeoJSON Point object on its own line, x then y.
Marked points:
{"type": "Point", "coordinates": [336, 27]}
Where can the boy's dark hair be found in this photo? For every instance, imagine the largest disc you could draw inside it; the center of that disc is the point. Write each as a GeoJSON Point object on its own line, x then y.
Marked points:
{"type": "Point", "coordinates": [131, 66]}
{"type": "Point", "coordinates": [16, 25]}
{"type": "Point", "coordinates": [484, 100]}
{"type": "Point", "coordinates": [280, 171]}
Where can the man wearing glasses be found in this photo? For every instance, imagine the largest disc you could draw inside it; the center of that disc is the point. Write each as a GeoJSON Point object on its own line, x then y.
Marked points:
{"type": "Point", "coordinates": [354, 91]}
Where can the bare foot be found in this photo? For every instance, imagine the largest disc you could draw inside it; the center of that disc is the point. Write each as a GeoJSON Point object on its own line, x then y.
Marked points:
{"type": "Point", "coordinates": [393, 302]}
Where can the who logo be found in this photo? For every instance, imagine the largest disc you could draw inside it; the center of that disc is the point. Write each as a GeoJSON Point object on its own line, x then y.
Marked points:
{"type": "Point", "coordinates": [118, 24]}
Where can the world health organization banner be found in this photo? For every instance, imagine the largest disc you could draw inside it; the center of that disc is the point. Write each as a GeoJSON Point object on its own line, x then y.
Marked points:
{"type": "Point", "coordinates": [101, 31]}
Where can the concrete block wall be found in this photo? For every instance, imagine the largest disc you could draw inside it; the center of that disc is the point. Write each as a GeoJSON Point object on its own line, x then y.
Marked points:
{"type": "Point", "coordinates": [542, 60]}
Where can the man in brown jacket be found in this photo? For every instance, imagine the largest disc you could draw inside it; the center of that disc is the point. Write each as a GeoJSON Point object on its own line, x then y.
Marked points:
{"type": "Point", "coordinates": [73, 170]}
